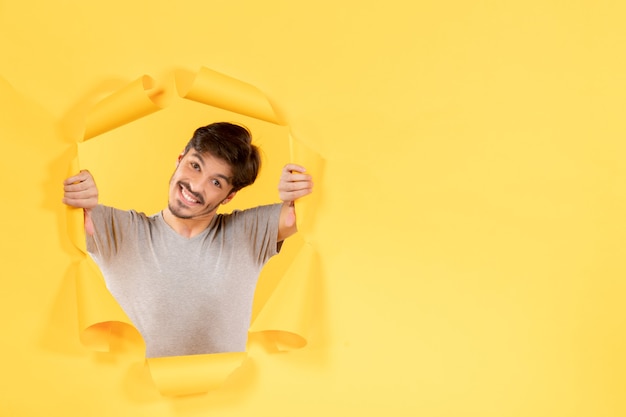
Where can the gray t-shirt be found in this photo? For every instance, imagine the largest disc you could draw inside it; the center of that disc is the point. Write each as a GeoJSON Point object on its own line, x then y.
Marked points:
{"type": "Point", "coordinates": [185, 295]}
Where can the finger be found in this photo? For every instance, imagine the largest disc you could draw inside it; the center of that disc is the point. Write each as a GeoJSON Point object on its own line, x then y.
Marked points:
{"type": "Point", "coordinates": [81, 195]}
{"type": "Point", "coordinates": [78, 202]}
{"type": "Point", "coordinates": [294, 195]}
{"type": "Point", "coordinates": [72, 180]}
{"type": "Point", "coordinates": [295, 178]}
{"type": "Point", "coordinates": [291, 189]}
{"type": "Point", "coordinates": [305, 182]}
{"type": "Point", "coordinates": [294, 167]}
{"type": "Point", "coordinates": [297, 186]}
{"type": "Point", "coordinates": [298, 177]}
{"type": "Point", "coordinates": [82, 176]}
{"type": "Point", "coordinates": [78, 187]}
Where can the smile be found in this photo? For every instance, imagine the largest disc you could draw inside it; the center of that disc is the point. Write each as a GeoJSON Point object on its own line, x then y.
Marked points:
{"type": "Point", "coordinates": [187, 196]}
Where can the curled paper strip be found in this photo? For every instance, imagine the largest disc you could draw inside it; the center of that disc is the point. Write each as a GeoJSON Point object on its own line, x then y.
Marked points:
{"type": "Point", "coordinates": [101, 321]}
{"type": "Point", "coordinates": [294, 294]}
{"type": "Point", "coordinates": [219, 90]}
{"type": "Point", "coordinates": [285, 317]}
{"type": "Point", "coordinates": [130, 103]}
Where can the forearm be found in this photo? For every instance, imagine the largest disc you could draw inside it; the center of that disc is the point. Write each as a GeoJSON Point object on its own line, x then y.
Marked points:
{"type": "Point", "coordinates": [287, 222]}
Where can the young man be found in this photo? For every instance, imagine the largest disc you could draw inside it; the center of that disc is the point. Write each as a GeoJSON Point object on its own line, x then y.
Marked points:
{"type": "Point", "coordinates": [186, 276]}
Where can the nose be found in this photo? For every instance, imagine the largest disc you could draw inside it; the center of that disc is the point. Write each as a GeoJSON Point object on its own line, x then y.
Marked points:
{"type": "Point", "coordinates": [194, 178]}
{"type": "Point", "coordinates": [195, 184]}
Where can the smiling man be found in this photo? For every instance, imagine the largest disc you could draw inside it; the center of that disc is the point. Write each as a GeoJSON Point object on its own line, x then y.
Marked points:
{"type": "Point", "coordinates": [186, 276]}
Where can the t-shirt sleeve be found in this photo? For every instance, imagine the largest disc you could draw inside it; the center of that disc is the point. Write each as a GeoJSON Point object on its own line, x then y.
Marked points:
{"type": "Point", "coordinates": [260, 230]}
{"type": "Point", "coordinates": [109, 224]}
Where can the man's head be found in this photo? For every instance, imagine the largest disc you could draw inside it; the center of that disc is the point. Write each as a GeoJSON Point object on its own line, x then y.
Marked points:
{"type": "Point", "coordinates": [232, 144]}
{"type": "Point", "coordinates": [218, 161]}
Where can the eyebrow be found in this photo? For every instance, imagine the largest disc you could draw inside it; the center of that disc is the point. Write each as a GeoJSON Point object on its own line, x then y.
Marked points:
{"type": "Point", "coordinates": [196, 154]}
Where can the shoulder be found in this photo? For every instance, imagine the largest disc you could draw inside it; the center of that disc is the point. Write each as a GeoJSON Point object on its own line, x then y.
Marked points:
{"type": "Point", "coordinates": [266, 216]}
{"type": "Point", "coordinates": [260, 212]}
{"type": "Point", "coordinates": [107, 212]}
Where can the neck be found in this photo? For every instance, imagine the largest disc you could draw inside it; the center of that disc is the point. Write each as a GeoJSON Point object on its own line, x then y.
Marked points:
{"type": "Point", "coordinates": [187, 227]}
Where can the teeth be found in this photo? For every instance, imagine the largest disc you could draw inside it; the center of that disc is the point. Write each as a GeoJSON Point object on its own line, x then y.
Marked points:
{"type": "Point", "coordinates": [187, 197]}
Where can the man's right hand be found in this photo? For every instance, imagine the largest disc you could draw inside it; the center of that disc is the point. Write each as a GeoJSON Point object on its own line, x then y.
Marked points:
{"type": "Point", "coordinates": [80, 191]}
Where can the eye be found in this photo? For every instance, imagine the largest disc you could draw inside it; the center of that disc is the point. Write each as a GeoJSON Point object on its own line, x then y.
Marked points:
{"type": "Point", "coordinates": [217, 183]}
{"type": "Point", "coordinates": [195, 166]}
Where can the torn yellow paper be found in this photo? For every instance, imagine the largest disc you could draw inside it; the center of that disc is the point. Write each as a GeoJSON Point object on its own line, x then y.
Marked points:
{"type": "Point", "coordinates": [130, 103]}
{"type": "Point", "coordinates": [219, 90]}
{"type": "Point", "coordinates": [286, 315]}
{"type": "Point", "coordinates": [98, 312]}
{"type": "Point", "coordinates": [195, 374]}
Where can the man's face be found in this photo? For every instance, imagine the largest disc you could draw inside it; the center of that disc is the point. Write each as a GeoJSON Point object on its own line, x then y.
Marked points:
{"type": "Point", "coordinates": [199, 185]}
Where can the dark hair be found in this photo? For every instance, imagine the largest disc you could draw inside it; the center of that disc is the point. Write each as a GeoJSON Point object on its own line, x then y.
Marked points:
{"type": "Point", "coordinates": [233, 144]}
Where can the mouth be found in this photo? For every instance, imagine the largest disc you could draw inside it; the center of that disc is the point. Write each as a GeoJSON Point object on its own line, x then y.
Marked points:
{"type": "Point", "coordinates": [189, 196]}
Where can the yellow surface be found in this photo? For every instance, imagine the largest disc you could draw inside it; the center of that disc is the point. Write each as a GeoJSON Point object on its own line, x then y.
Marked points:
{"type": "Point", "coordinates": [470, 226]}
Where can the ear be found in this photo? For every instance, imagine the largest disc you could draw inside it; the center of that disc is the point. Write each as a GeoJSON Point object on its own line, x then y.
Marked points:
{"type": "Point", "coordinates": [180, 157]}
{"type": "Point", "coordinates": [230, 197]}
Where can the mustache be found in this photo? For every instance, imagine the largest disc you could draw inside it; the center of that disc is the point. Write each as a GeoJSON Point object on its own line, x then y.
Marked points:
{"type": "Point", "coordinates": [187, 187]}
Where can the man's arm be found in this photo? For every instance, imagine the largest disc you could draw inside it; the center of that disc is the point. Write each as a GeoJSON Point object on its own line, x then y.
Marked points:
{"type": "Point", "coordinates": [80, 191]}
{"type": "Point", "coordinates": [294, 183]}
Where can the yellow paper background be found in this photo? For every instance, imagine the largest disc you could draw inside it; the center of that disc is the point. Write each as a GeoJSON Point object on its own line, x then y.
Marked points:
{"type": "Point", "coordinates": [470, 226]}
